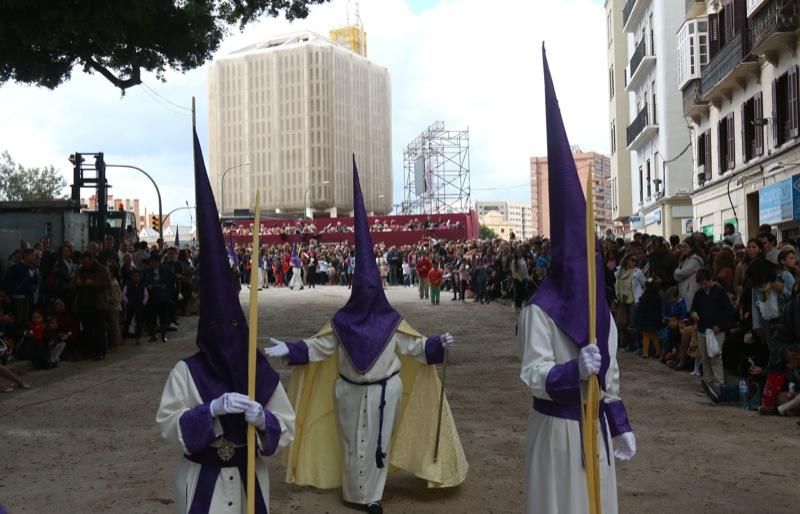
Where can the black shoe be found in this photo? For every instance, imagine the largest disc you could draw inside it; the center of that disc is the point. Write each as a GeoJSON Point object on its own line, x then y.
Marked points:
{"type": "Point", "coordinates": [163, 339]}
{"type": "Point", "coordinates": [374, 508]}
{"type": "Point", "coordinates": [711, 390]}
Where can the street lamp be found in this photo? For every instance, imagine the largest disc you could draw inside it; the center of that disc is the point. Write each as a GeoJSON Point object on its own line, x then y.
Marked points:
{"type": "Point", "coordinates": [161, 225]}
{"type": "Point", "coordinates": [222, 185]}
{"type": "Point", "coordinates": [309, 213]}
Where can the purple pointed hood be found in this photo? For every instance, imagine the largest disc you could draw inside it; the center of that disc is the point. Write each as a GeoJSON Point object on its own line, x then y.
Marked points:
{"type": "Point", "coordinates": [563, 294]}
{"type": "Point", "coordinates": [177, 238]}
{"type": "Point", "coordinates": [222, 334]}
{"type": "Point", "coordinates": [366, 323]}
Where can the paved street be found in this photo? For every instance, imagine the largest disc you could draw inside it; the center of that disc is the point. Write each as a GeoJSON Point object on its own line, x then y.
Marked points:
{"type": "Point", "coordinates": [84, 439]}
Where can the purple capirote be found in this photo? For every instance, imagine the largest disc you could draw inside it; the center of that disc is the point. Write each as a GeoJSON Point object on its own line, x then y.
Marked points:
{"type": "Point", "coordinates": [364, 326]}
{"type": "Point", "coordinates": [564, 293]}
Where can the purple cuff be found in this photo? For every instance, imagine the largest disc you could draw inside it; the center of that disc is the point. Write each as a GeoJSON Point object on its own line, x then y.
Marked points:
{"type": "Point", "coordinates": [298, 353]}
{"type": "Point", "coordinates": [197, 428]}
{"type": "Point", "coordinates": [564, 383]}
{"type": "Point", "coordinates": [272, 434]}
{"type": "Point", "coordinates": [434, 350]}
{"type": "Point", "coordinates": [617, 418]}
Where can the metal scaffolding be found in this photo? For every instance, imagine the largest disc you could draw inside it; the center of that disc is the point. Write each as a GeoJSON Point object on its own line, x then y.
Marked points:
{"type": "Point", "coordinates": [436, 172]}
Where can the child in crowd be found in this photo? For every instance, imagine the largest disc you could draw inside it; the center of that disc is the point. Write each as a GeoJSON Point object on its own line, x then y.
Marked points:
{"type": "Point", "coordinates": [135, 296]}
{"type": "Point", "coordinates": [463, 279]}
{"type": "Point", "coordinates": [650, 314]}
{"type": "Point", "coordinates": [406, 274]}
{"type": "Point", "coordinates": [34, 347]}
{"type": "Point", "coordinates": [55, 341]}
{"type": "Point", "coordinates": [435, 278]}
{"type": "Point", "coordinates": [384, 271]}
{"type": "Point", "coordinates": [277, 270]}
{"type": "Point", "coordinates": [675, 311]}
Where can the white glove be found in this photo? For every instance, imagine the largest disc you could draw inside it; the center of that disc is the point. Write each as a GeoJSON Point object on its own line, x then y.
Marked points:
{"type": "Point", "coordinates": [279, 350]}
{"type": "Point", "coordinates": [229, 403]}
{"type": "Point", "coordinates": [254, 414]}
{"type": "Point", "coordinates": [624, 446]}
{"type": "Point", "coordinates": [589, 361]}
{"type": "Point", "coordinates": [447, 340]}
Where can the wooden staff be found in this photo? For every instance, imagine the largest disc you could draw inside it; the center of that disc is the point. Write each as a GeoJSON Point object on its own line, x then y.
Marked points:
{"type": "Point", "coordinates": [590, 410]}
{"type": "Point", "coordinates": [251, 358]}
{"type": "Point", "coordinates": [441, 408]}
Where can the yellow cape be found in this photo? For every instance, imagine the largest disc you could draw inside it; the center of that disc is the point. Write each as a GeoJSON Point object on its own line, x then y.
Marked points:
{"type": "Point", "coordinates": [315, 456]}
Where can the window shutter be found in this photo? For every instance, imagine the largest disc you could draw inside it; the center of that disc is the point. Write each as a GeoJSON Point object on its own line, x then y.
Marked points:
{"type": "Point", "coordinates": [794, 115]}
{"type": "Point", "coordinates": [745, 142]}
{"type": "Point", "coordinates": [758, 132]}
{"type": "Point", "coordinates": [713, 35]}
{"type": "Point", "coordinates": [722, 143]}
{"type": "Point", "coordinates": [731, 142]}
{"type": "Point", "coordinates": [708, 154]}
{"type": "Point", "coordinates": [775, 122]}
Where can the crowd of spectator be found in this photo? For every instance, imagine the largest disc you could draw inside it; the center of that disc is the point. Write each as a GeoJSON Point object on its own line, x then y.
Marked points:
{"type": "Point", "coordinates": [309, 226]}
{"type": "Point", "coordinates": [70, 304]}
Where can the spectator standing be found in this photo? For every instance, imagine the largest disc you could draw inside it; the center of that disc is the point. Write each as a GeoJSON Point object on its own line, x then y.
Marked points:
{"type": "Point", "coordinates": [711, 309]}
{"type": "Point", "coordinates": [92, 282]}
{"type": "Point", "coordinates": [135, 296]}
{"type": "Point", "coordinates": [22, 281]}
{"type": "Point", "coordinates": [113, 311]}
{"type": "Point", "coordinates": [423, 268]}
{"type": "Point", "coordinates": [690, 261]}
{"type": "Point", "coordinates": [157, 277]}
{"type": "Point", "coordinates": [769, 242]}
{"type": "Point", "coordinates": [730, 235]}
{"type": "Point", "coordinates": [650, 313]}
{"type": "Point", "coordinates": [519, 275]}
{"type": "Point", "coordinates": [435, 278]}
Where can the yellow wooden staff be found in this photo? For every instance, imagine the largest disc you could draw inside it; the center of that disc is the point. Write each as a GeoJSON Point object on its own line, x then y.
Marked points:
{"type": "Point", "coordinates": [589, 413]}
{"type": "Point", "coordinates": [251, 357]}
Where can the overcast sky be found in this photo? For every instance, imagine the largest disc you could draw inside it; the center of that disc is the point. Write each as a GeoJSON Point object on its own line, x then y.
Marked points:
{"type": "Point", "coordinates": [469, 63]}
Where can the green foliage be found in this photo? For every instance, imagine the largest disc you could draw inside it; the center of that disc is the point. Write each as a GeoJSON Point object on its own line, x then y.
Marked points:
{"type": "Point", "coordinates": [18, 183]}
{"type": "Point", "coordinates": [487, 233]}
{"type": "Point", "coordinates": [41, 41]}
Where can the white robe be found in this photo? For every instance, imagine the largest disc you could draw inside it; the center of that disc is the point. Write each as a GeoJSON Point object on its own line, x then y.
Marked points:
{"type": "Point", "coordinates": [556, 480]}
{"type": "Point", "coordinates": [297, 279]}
{"type": "Point", "coordinates": [358, 411]}
{"type": "Point", "coordinates": [180, 394]}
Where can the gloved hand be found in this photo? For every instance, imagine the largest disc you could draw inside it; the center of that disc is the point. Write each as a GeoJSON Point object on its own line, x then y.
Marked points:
{"type": "Point", "coordinates": [229, 403]}
{"type": "Point", "coordinates": [254, 414]}
{"type": "Point", "coordinates": [447, 340]}
{"type": "Point", "coordinates": [279, 350]}
{"type": "Point", "coordinates": [624, 446]}
{"type": "Point", "coordinates": [589, 361]}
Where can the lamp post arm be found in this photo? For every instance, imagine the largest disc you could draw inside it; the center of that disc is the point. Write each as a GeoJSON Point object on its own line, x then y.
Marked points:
{"type": "Point", "coordinates": [177, 209]}
{"type": "Point", "coordinates": [158, 192]}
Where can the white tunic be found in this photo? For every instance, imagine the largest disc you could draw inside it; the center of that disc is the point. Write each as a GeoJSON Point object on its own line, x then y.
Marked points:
{"type": "Point", "coordinates": [297, 279]}
{"type": "Point", "coordinates": [180, 394]}
{"type": "Point", "coordinates": [556, 480]}
{"type": "Point", "coordinates": [358, 412]}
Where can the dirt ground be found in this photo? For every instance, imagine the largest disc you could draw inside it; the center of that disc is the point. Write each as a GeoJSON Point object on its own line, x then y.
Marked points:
{"type": "Point", "coordinates": [84, 439]}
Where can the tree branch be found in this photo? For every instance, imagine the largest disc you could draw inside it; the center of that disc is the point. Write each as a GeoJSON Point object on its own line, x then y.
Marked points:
{"type": "Point", "coordinates": [134, 80]}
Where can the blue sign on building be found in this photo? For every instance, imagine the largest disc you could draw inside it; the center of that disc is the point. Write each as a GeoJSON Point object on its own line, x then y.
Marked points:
{"type": "Point", "coordinates": [780, 202]}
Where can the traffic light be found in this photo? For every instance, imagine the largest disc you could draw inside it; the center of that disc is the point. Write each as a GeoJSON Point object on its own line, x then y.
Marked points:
{"type": "Point", "coordinates": [155, 222]}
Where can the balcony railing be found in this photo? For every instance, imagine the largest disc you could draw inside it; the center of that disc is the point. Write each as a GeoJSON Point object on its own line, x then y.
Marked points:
{"type": "Point", "coordinates": [638, 55]}
{"type": "Point", "coordinates": [776, 16]}
{"type": "Point", "coordinates": [726, 60]}
{"type": "Point", "coordinates": [691, 96]}
{"type": "Point", "coordinates": [626, 11]}
{"type": "Point", "coordinates": [638, 125]}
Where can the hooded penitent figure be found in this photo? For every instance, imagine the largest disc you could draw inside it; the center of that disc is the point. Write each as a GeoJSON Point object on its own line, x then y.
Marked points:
{"type": "Point", "coordinates": [204, 407]}
{"type": "Point", "coordinates": [557, 358]}
{"type": "Point", "coordinates": [297, 276]}
{"type": "Point", "coordinates": [373, 372]}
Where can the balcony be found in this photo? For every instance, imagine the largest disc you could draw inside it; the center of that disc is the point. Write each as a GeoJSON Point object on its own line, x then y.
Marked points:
{"type": "Point", "coordinates": [640, 66]}
{"type": "Point", "coordinates": [694, 8]}
{"type": "Point", "coordinates": [640, 131]}
{"type": "Point", "coordinates": [693, 105]}
{"type": "Point", "coordinates": [773, 29]}
{"type": "Point", "coordinates": [632, 13]}
{"type": "Point", "coordinates": [733, 63]}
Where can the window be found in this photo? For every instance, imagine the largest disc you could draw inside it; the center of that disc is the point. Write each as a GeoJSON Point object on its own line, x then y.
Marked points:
{"type": "Point", "coordinates": [726, 141]}
{"type": "Point", "coordinates": [752, 134]}
{"type": "Point", "coordinates": [613, 136]}
{"type": "Point", "coordinates": [692, 50]}
{"type": "Point", "coordinates": [641, 186]}
{"type": "Point", "coordinates": [704, 156]}
{"type": "Point", "coordinates": [609, 29]}
{"type": "Point", "coordinates": [611, 82]}
{"type": "Point", "coordinates": [785, 113]}
{"type": "Point", "coordinates": [726, 24]}
{"type": "Point", "coordinates": [647, 177]}
{"type": "Point", "coordinates": [654, 117]}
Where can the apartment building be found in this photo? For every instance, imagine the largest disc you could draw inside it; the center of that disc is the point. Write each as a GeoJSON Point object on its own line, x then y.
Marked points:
{"type": "Point", "coordinates": [516, 214]}
{"type": "Point", "coordinates": [745, 114]}
{"type": "Point", "coordinates": [619, 185]}
{"type": "Point", "coordinates": [600, 166]}
{"type": "Point", "coordinates": [657, 134]}
{"type": "Point", "coordinates": [286, 116]}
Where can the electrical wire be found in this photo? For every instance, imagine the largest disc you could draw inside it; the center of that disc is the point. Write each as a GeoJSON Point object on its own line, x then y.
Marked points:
{"type": "Point", "coordinates": [165, 106]}
{"type": "Point", "coordinates": [165, 99]}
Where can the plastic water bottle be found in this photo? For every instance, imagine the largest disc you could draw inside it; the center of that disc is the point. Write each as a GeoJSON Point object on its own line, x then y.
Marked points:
{"type": "Point", "coordinates": [743, 394]}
